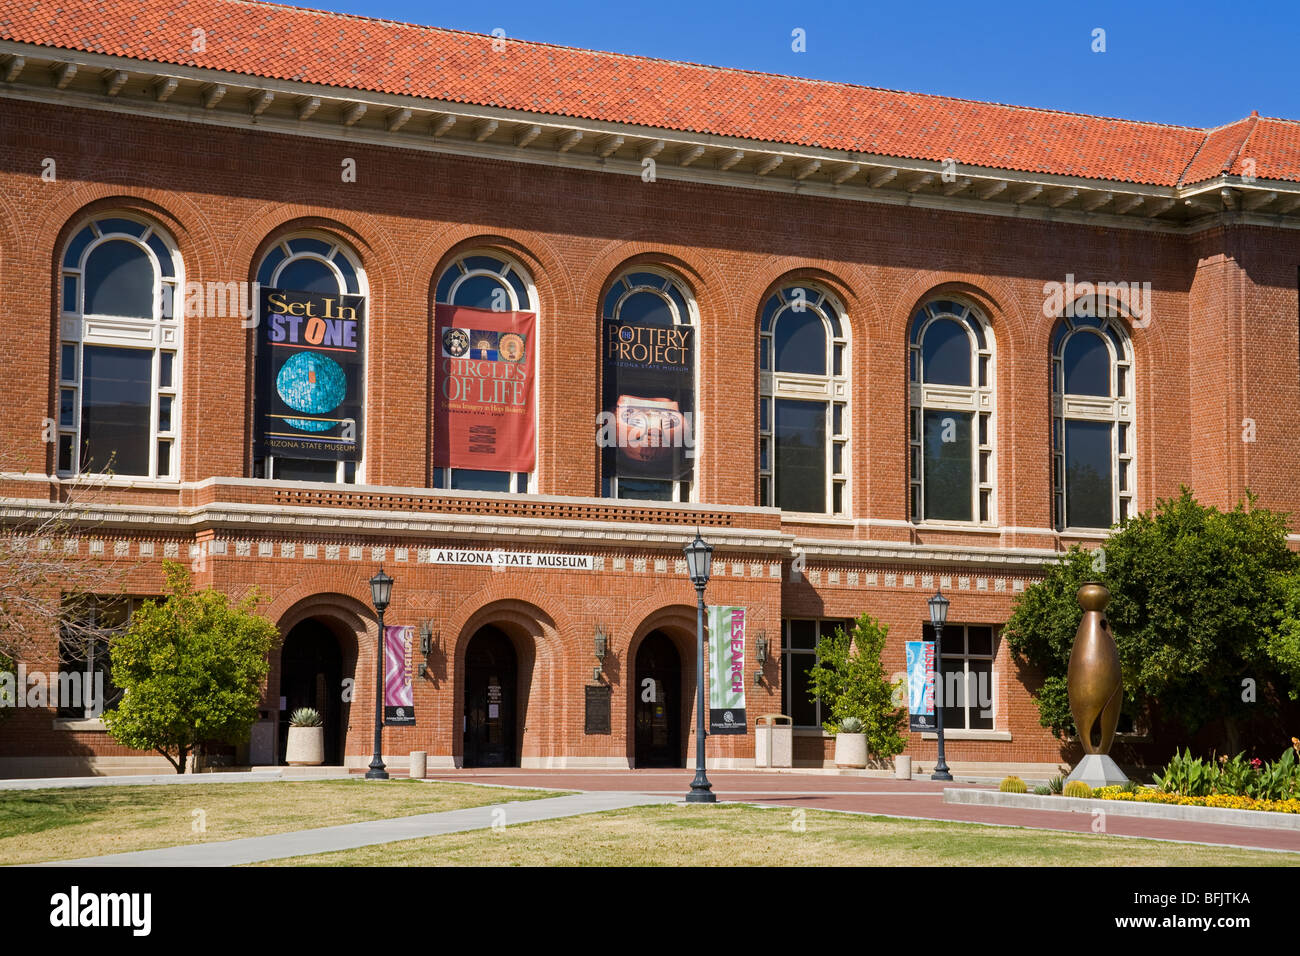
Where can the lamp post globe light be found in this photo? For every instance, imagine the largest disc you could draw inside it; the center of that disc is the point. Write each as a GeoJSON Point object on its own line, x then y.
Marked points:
{"type": "Point", "coordinates": [699, 560]}
{"type": "Point", "coordinates": [381, 591]}
{"type": "Point", "coordinates": [938, 615]}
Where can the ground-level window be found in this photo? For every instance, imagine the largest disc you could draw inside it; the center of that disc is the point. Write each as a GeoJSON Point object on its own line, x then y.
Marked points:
{"type": "Point", "coordinates": [966, 667]}
{"type": "Point", "coordinates": [84, 687]}
{"type": "Point", "coordinates": [799, 642]}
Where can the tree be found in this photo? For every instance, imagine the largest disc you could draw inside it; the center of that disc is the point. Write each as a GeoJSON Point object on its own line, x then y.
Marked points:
{"type": "Point", "coordinates": [1200, 600]}
{"type": "Point", "coordinates": [48, 578]}
{"type": "Point", "coordinates": [191, 667]}
{"type": "Point", "coordinates": [850, 679]}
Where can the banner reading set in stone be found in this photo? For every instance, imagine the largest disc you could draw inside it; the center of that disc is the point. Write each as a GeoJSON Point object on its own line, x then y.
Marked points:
{"type": "Point", "coordinates": [309, 373]}
{"type": "Point", "coordinates": [483, 413]}
{"type": "Point", "coordinates": [727, 670]}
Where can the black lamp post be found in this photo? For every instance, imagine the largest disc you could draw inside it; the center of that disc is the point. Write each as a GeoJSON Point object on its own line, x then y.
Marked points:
{"type": "Point", "coordinates": [938, 615]}
{"type": "Point", "coordinates": [381, 590]}
{"type": "Point", "coordinates": [699, 559]}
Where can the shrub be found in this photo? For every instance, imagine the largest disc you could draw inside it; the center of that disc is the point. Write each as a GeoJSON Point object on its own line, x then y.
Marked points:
{"type": "Point", "coordinates": [1042, 791]}
{"type": "Point", "coordinates": [304, 717]}
{"type": "Point", "coordinates": [1012, 784]}
{"type": "Point", "coordinates": [850, 680]}
{"type": "Point", "coordinates": [1077, 788]}
{"type": "Point", "coordinates": [1187, 776]}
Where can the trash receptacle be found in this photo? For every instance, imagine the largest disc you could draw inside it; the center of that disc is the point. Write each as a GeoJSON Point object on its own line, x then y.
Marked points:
{"type": "Point", "coordinates": [774, 741]}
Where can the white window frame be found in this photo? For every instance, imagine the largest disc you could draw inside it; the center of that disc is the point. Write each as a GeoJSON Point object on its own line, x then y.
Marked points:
{"type": "Point", "coordinates": [961, 632]}
{"type": "Point", "coordinates": [980, 400]}
{"type": "Point", "coordinates": [161, 333]}
{"type": "Point", "coordinates": [527, 302]}
{"type": "Point", "coordinates": [692, 318]}
{"type": "Point", "coordinates": [342, 474]}
{"type": "Point", "coordinates": [831, 389]}
{"type": "Point", "coordinates": [1116, 409]}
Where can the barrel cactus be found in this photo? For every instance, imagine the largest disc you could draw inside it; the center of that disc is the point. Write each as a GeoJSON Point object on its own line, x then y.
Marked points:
{"type": "Point", "coordinates": [1012, 784]}
{"type": "Point", "coordinates": [1077, 788]}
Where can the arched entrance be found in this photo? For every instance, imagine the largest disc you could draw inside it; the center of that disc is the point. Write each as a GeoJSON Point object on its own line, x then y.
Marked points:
{"type": "Point", "coordinates": [658, 705]}
{"type": "Point", "coordinates": [491, 696]}
{"type": "Point", "coordinates": [311, 675]}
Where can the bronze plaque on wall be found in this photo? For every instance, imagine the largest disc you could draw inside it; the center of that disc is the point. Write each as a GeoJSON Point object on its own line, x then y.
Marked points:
{"type": "Point", "coordinates": [597, 709]}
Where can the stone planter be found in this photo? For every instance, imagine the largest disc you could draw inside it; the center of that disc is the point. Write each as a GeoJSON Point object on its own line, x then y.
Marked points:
{"type": "Point", "coordinates": [306, 747]}
{"type": "Point", "coordinates": [902, 767]}
{"type": "Point", "coordinates": [851, 751]}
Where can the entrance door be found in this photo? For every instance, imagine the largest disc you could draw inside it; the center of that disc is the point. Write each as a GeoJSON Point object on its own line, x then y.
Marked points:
{"type": "Point", "coordinates": [658, 707]}
{"type": "Point", "coordinates": [311, 675]}
{"type": "Point", "coordinates": [491, 672]}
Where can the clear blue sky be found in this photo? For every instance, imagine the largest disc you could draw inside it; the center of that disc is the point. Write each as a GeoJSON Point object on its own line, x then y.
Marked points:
{"type": "Point", "coordinates": [1194, 63]}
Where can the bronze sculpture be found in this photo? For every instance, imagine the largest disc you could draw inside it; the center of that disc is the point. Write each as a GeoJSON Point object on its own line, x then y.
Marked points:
{"type": "Point", "coordinates": [1093, 679]}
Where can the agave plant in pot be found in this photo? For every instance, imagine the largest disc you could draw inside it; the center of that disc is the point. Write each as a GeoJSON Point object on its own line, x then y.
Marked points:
{"type": "Point", "coordinates": [306, 747]}
{"type": "Point", "coordinates": [851, 744]}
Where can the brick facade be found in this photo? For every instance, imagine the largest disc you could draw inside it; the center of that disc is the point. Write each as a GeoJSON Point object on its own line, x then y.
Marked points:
{"type": "Point", "coordinates": [1221, 347]}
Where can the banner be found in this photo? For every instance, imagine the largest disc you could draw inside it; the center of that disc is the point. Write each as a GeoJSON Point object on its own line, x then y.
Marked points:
{"type": "Point", "coordinates": [650, 397]}
{"type": "Point", "coordinates": [309, 375]}
{"type": "Point", "coordinates": [920, 685]}
{"type": "Point", "coordinates": [484, 416]}
{"type": "Point", "coordinates": [727, 670]}
{"type": "Point", "coordinates": [399, 702]}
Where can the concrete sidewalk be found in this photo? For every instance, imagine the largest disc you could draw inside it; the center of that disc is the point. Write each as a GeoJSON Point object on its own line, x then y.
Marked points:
{"type": "Point", "coordinates": [350, 836]}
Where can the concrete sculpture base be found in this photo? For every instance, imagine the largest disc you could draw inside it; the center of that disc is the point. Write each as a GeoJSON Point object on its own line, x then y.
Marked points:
{"type": "Point", "coordinates": [1097, 770]}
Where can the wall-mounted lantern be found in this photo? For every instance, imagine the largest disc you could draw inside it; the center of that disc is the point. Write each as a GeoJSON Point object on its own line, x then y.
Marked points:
{"type": "Point", "coordinates": [601, 643]}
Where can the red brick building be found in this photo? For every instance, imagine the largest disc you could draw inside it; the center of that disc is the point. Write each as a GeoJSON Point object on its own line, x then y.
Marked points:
{"type": "Point", "coordinates": [926, 344]}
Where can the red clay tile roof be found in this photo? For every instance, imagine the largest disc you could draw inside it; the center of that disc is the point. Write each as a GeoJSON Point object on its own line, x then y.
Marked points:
{"type": "Point", "coordinates": [291, 43]}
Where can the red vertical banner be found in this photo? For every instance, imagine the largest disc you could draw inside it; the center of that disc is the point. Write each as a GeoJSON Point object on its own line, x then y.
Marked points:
{"type": "Point", "coordinates": [484, 376]}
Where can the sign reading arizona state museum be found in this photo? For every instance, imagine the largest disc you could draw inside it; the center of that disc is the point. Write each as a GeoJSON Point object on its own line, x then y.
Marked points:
{"type": "Point", "coordinates": [309, 375]}
{"type": "Point", "coordinates": [483, 415]}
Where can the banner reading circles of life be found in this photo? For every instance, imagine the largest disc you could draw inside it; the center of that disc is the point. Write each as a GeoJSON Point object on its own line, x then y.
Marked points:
{"type": "Point", "coordinates": [484, 417]}
{"type": "Point", "coordinates": [309, 375]}
{"type": "Point", "coordinates": [399, 702]}
{"type": "Point", "coordinates": [727, 670]}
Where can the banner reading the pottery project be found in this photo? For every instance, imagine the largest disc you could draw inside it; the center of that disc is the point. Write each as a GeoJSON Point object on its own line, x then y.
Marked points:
{"type": "Point", "coordinates": [484, 417]}
{"type": "Point", "coordinates": [727, 670]}
{"type": "Point", "coordinates": [309, 375]}
{"type": "Point", "coordinates": [399, 702]}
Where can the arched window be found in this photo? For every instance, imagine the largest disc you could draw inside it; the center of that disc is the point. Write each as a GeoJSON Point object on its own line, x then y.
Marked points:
{"type": "Point", "coordinates": [320, 264]}
{"type": "Point", "coordinates": [119, 353]}
{"type": "Point", "coordinates": [493, 282]}
{"type": "Point", "coordinates": [649, 323]}
{"type": "Point", "coordinates": [952, 415]}
{"type": "Point", "coordinates": [1092, 424]}
{"type": "Point", "coordinates": [803, 412]}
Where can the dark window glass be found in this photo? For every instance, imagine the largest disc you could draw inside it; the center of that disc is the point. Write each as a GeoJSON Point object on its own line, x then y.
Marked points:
{"type": "Point", "coordinates": [483, 292]}
{"type": "Point", "coordinates": [119, 280]}
{"type": "Point", "coordinates": [947, 465]}
{"type": "Point", "coordinates": [951, 692]}
{"type": "Point", "coordinates": [163, 254]}
{"type": "Point", "coordinates": [165, 362]}
{"type": "Point", "coordinates": [980, 640]}
{"type": "Point", "coordinates": [800, 455]}
{"type": "Point", "coordinates": [646, 308]}
{"type": "Point", "coordinates": [1088, 475]}
{"type": "Point", "coordinates": [979, 687]}
{"type": "Point", "coordinates": [72, 258]}
{"type": "Point", "coordinates": [800, 341]}
{"type": "Point", "coordinates": [68, 363]}
{"type": "Point", "coordinates": [652, 489]}
{"type": "Point", "coordinates": [1087, 365]}
{"type": "Point", "coordinates": [308, 244]}
{"type": "Point", "coordinates": [272, 259]}
{"type": "Point", "coordinates": [69, 293]}
{"type": "Point", "coordinates": [116, 396]}
{"type": "Point", "coordinates": [803, 634]}
{"type": "Point", "coordinates": [164, 458]}
{"type": "Point", "coordinates": [803, 710]}
{"type": "Point", "coordinates": [165, 413]}
{"type": "Point", "coordinates": [128, 226]}
{"type": "Point", "coordinates": [308, 275]}
{"type": "Point", "coordinates": [65, 453]}
{"type": "Point", "coordinates": [67, 407]}
{"type": "Point", "coordinates": [946, 354]}
{"type": "Point", "coordinates": [302, 469]}
{"type": "Point", "coordinates": [468, 479]}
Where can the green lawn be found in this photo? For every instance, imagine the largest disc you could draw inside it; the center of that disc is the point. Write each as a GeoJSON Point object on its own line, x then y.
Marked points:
{"type": "Point", "coordinates": [38, 825]}
{"type": "Point", "coordinates": [738, 835]}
